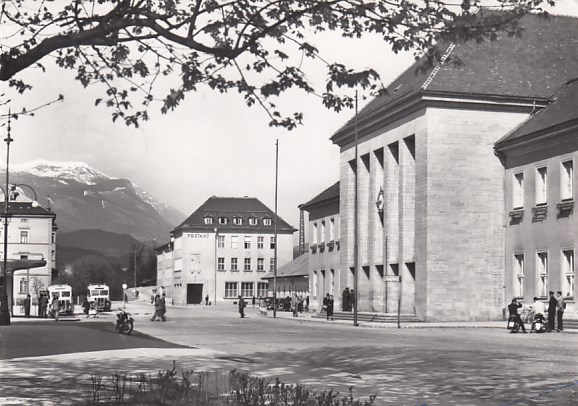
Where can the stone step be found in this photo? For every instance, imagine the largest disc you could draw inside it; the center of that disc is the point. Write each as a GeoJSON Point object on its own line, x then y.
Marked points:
{"type": "Point", "coordinates": [371, 317]}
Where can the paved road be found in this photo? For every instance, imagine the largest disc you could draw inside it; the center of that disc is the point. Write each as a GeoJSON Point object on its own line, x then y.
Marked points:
{"type": "Point", "coordinates": [433, 366]}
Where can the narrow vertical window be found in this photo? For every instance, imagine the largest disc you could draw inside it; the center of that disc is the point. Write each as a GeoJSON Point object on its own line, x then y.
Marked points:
{"type": "Point", "coordinates": [568, 273]}
{"type": "Point", "coordinates": [542, 271]}
{"type": "Point", "coordinates": [566, 180]}
{"type": "Point", "coordinates": [247, 266]}
{"type": "Point", "coordinates": [221, 264]}
{"type": "Point", "coordinates": [322, 237]}
{"type": "Point", "coordinates": [541, 185]}
{"type": "Point", "coordinates": [331, 229]}
{"type": "Point", "coordinates": [234, 241]}
{"type": "Point", "coordinates": [234, 264]}
{"type": "Point", "coordinates": [260, 242]}
{"type": "Point", "coordinates": [518, 191]}
{"type": "Point", "coordinates": [272, 244]}
{"type": "Point", "coordinates": [23, 237]}
{"type": "Point", "coordinates": [221, 241]}
{"type": "Point", "coordinates": [314, 236]}
{"type": "Point", "coordinates": [247, 243]}
{"type": "Point", "coordinates": [519, 275]}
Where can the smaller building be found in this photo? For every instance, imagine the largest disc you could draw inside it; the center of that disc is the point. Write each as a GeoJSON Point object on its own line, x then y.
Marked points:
{"type": "Point", "coordinates": [222, 251]}
{"type": "Point", "coordinates": [292, 278]}
{"type": "Point", "coordinates": [31, 251]}
{"type": "Point", "coordinates": [325, 273]}
{"type": "Point", "coordinates": [541, 225]}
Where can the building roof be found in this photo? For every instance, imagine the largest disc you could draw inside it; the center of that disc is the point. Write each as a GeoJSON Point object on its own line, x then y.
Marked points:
{"type": "Point", "coordinates": [530, 67]}
{"type": "Point", "coordinates": [331, 193]}
{"type": "Point", "coordinates": [298, 267]}
{"type": "Point", "coordinates": [561, 113]}
{"type": "Point", "coordinates": [25, 209]}
{"type": "Point", "coordinates": [244, 208]}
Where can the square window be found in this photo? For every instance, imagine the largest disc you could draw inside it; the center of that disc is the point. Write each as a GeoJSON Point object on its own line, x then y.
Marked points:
{"type": "Point", "coordinates": [247, 289]}
{"type": "Point", "coordinates": [231, 289]}
{"type": "Point", "coordinates": [237, 221]}
{"type": "Point", "coordinates": [253, 221]}
{"type": "Point", "coordinates": [266, 221]}
{"type": "Point", "coordinates": [262, 288]}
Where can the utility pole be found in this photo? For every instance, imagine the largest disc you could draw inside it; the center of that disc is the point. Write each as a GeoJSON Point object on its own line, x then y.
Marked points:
{"type": "Point", "coordinates": [356, 225]}
{"type": "Point", "coordinates": [275, 228]}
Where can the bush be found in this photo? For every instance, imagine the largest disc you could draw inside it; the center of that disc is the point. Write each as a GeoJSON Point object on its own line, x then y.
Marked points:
{"type": "Point", "coordinates": [209, 389]}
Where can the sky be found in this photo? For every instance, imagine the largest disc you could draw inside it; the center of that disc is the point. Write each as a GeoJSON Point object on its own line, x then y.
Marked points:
{"type": "Point", "coordinates": [211, 145]}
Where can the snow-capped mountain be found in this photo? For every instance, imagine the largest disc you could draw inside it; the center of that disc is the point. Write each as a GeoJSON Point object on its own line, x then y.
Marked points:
{"type": "Point", "coordinates": [85, 198]}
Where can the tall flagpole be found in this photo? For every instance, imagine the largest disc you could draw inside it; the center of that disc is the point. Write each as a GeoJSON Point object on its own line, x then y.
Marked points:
{"type": "Point", "coordinates": [275, 228]}
{"type": "Point", "coordinates": [356, 226]}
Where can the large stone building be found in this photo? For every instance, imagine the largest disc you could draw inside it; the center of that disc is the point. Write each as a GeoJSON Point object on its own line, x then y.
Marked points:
{"type": "Point", "coordinates": [427, 147]}
{"type": "Point", "coordinates": [223, 250]}
{"type": "Point", "coordinates": [542, 227]}
{"type": "Point", "coordinates": [325, 271]}
{"type": "Point", "coordinates": [31, 251]}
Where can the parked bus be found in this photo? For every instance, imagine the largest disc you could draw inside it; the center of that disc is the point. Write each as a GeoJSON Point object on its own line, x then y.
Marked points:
{"type": "Point", "coordinates": [64, 295]}
{"type": "Point", "coordinates": [99, 293]}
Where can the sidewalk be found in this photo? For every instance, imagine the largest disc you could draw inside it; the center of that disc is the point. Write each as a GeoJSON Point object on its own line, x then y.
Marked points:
{"type": "Point", "coordinates": [310, 317]}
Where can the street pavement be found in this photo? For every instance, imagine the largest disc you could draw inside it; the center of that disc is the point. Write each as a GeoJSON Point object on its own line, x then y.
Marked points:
{"type": "Point", "coordinates": [461, 364]}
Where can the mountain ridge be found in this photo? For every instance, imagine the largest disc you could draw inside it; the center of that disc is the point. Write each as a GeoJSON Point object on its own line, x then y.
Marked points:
{"type": "Point", "coordinates": [85, 198]}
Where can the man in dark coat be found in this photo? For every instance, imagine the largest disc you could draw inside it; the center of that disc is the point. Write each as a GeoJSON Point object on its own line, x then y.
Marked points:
{"type": "Point", "coordinates": [552, 305]}
{"type": "Point", "coordinates": [242, 305]}
{"type": "Point", "coordinates": [513, 310]}
{"type": "Point", "coordinates": [345, 300]}
{"type": "Point", "coordinates": [27, 306]}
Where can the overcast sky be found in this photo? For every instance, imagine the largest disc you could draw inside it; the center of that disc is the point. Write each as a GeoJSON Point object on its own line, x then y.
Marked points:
{"type": "Point", "coordinates": [211, 145]}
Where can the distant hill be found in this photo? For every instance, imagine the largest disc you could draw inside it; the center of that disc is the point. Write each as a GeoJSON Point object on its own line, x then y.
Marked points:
{"type": "Point", "coordinates": [103, 242]}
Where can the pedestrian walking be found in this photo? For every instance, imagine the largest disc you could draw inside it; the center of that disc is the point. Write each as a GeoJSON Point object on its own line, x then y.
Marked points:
{"type": "Point", "coordinates": [307, 304]}
{"type": "Point", "coordinates": [242, 305]}
{"type": "Point", "coordinates": [560, 311]}
{"type": "Point", "coordinates": [552, 306]}
{"type": "Point", "coordinates": [163, 307]}
{"type": "Point", "coordinates": [27, 306]}
{"type": "Point", "coordinates": [254, 300]}
{"type": "Point", "coordinates": [86, 307]}
{"type": "Point", "coordinates": [158, 302]}
{"type": "Point", "coordinates": [55, 307]}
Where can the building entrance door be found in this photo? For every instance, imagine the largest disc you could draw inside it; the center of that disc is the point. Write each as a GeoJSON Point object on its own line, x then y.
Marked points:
{"type": "Point", "coordinates": [194, 293]}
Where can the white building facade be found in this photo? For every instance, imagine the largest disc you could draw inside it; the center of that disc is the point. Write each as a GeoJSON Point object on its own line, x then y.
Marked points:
{"type": "Point", "coordinates": [31, 252]}
{"type": "Point", "coordinates": [222, 251]}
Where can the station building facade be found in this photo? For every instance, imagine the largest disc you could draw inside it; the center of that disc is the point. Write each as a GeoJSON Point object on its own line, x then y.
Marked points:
{"type": "Point", "coordinates": [223, 250]}
{"type": "Point", "coordinates": [426, 148]}
{"type": "Point", "coordinates": [541, 224]}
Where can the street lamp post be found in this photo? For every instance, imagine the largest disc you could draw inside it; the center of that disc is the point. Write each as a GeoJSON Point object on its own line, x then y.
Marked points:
{"type": "Point", "coordinates": [4, 311]}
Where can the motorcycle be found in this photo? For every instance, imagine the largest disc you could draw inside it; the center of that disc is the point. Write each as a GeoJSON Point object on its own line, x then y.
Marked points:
{"type": "Point", "coordinates": [539, 323]}
{"type": "Point", "coordinates": [124, 322]}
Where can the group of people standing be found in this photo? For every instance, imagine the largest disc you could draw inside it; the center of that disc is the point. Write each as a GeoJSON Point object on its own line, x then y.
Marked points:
{"type": "Point", "coordinates": [348, 300]}
{"type": "Point", "coordinates": [556, 307]}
